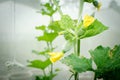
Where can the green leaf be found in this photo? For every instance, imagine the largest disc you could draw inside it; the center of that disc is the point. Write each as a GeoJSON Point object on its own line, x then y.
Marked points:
{"type": "Point", "coordinates": [66, 22]}
{"type": "Point", "coordinates": [68, 36]}
{"type": "Point", "coordinates": [45, 51]}
{"type": "Point", "coordinates": [55, 26]}
{"type": "Point", "coordinates": [78, 64]}
{"type": "Point", "coordinates": [68, 25]}
{"type": "Point", "coordinates": [48, 9]}
{"type": "Point", "coordinates": [89, 1]}
{"type": "Point", "coordinates": [41, 52]}
{"type": "Point", "coordinates": [57, 70]}
{"type": "Point", "coordinates": [40, 64]}
{"type": "Point", "coordinates": [38, 78]}
{"type": "Point", "coordinates": [95, 28]}
{"type": "Point", "coordinates": [46, 77]}
{"type": "Point", "coordinates": [49, 37]}
{"type": "Point", "coordinates": [40, 27]}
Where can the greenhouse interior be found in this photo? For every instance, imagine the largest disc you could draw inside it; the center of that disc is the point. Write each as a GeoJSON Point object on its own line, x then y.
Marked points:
{"type": "Point", "coordinates": [59, 40]}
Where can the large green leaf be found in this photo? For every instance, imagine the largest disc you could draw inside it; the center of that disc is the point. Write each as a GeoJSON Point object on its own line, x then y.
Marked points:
{"type": "Point", "coordinates": [107, 60]}
{"type": "Point", "coordinates": [102, 60]}
{"type": "Point", "coordinates": [95, 28]}
{"type": "Point", "coordinates": [66, 22]}
{"type": "Point", "coordinates": [78, 64]}
{"type": "Point", "coordinates": [100, 56]}
{"type": "Point", "coordinates": [49, 37]}
{"type": "Point", "coordinates": [40, 64]}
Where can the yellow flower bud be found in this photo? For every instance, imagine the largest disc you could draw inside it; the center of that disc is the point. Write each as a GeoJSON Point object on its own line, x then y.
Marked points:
{"type": "Point", "coordinates": [55, 56]}
{"type": "Point", "coordinates": [88, 20]}
{"type": "Point", "coordinates": [61, 33]}
{"type": "Point", "coordinates": [52, 53]}
{"type": "Point", "coordinates": [110, 54]}
{"type": "Point", "coordinates": [99, 6]}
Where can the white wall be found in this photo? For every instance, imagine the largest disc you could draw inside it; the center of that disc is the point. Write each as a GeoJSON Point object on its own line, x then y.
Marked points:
{"type": "Point", "coordinates": [19, 40]}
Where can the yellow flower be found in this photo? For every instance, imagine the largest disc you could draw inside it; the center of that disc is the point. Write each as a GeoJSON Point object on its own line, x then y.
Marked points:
{"type": "Point", "coordinates": [88, 20]}
{"type": "Point", "coordinates": [55, 56]}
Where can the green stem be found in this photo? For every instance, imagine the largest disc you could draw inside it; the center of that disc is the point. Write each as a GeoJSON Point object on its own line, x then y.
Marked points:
{"type": "Point", "coordinates": [51, 72]}
{"type": "Point", "coordinates": [51, 2]}
{"type": "Point", "coordinates": [81, 3]}
{"type": "Point", "coordinates": [71, 77]}
{"type": "Point", "coordinates": [78, 47]}
{"type": "Point", "coordinates": [58, 7]}
{"type": "Point", "coordinates": [75, 47]}
{"type": "Point", "coordinates": [76, 76]}
{"type": "Point", "coordinates": [51, 69]}
{"type": "Point", "coordinates": [44, 73]}
{"type": "Point", "coordinates": [78, 54]}
{"type": "Point", "coordinates": [51, 19]}
{"type": "Point", "coordinates": [50, 45]}
{"type": "Point", "coordinates": [95, 77]}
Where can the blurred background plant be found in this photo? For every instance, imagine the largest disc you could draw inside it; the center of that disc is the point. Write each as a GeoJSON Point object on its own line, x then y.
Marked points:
{"type": "Point", "coordinates": [50, 32]}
